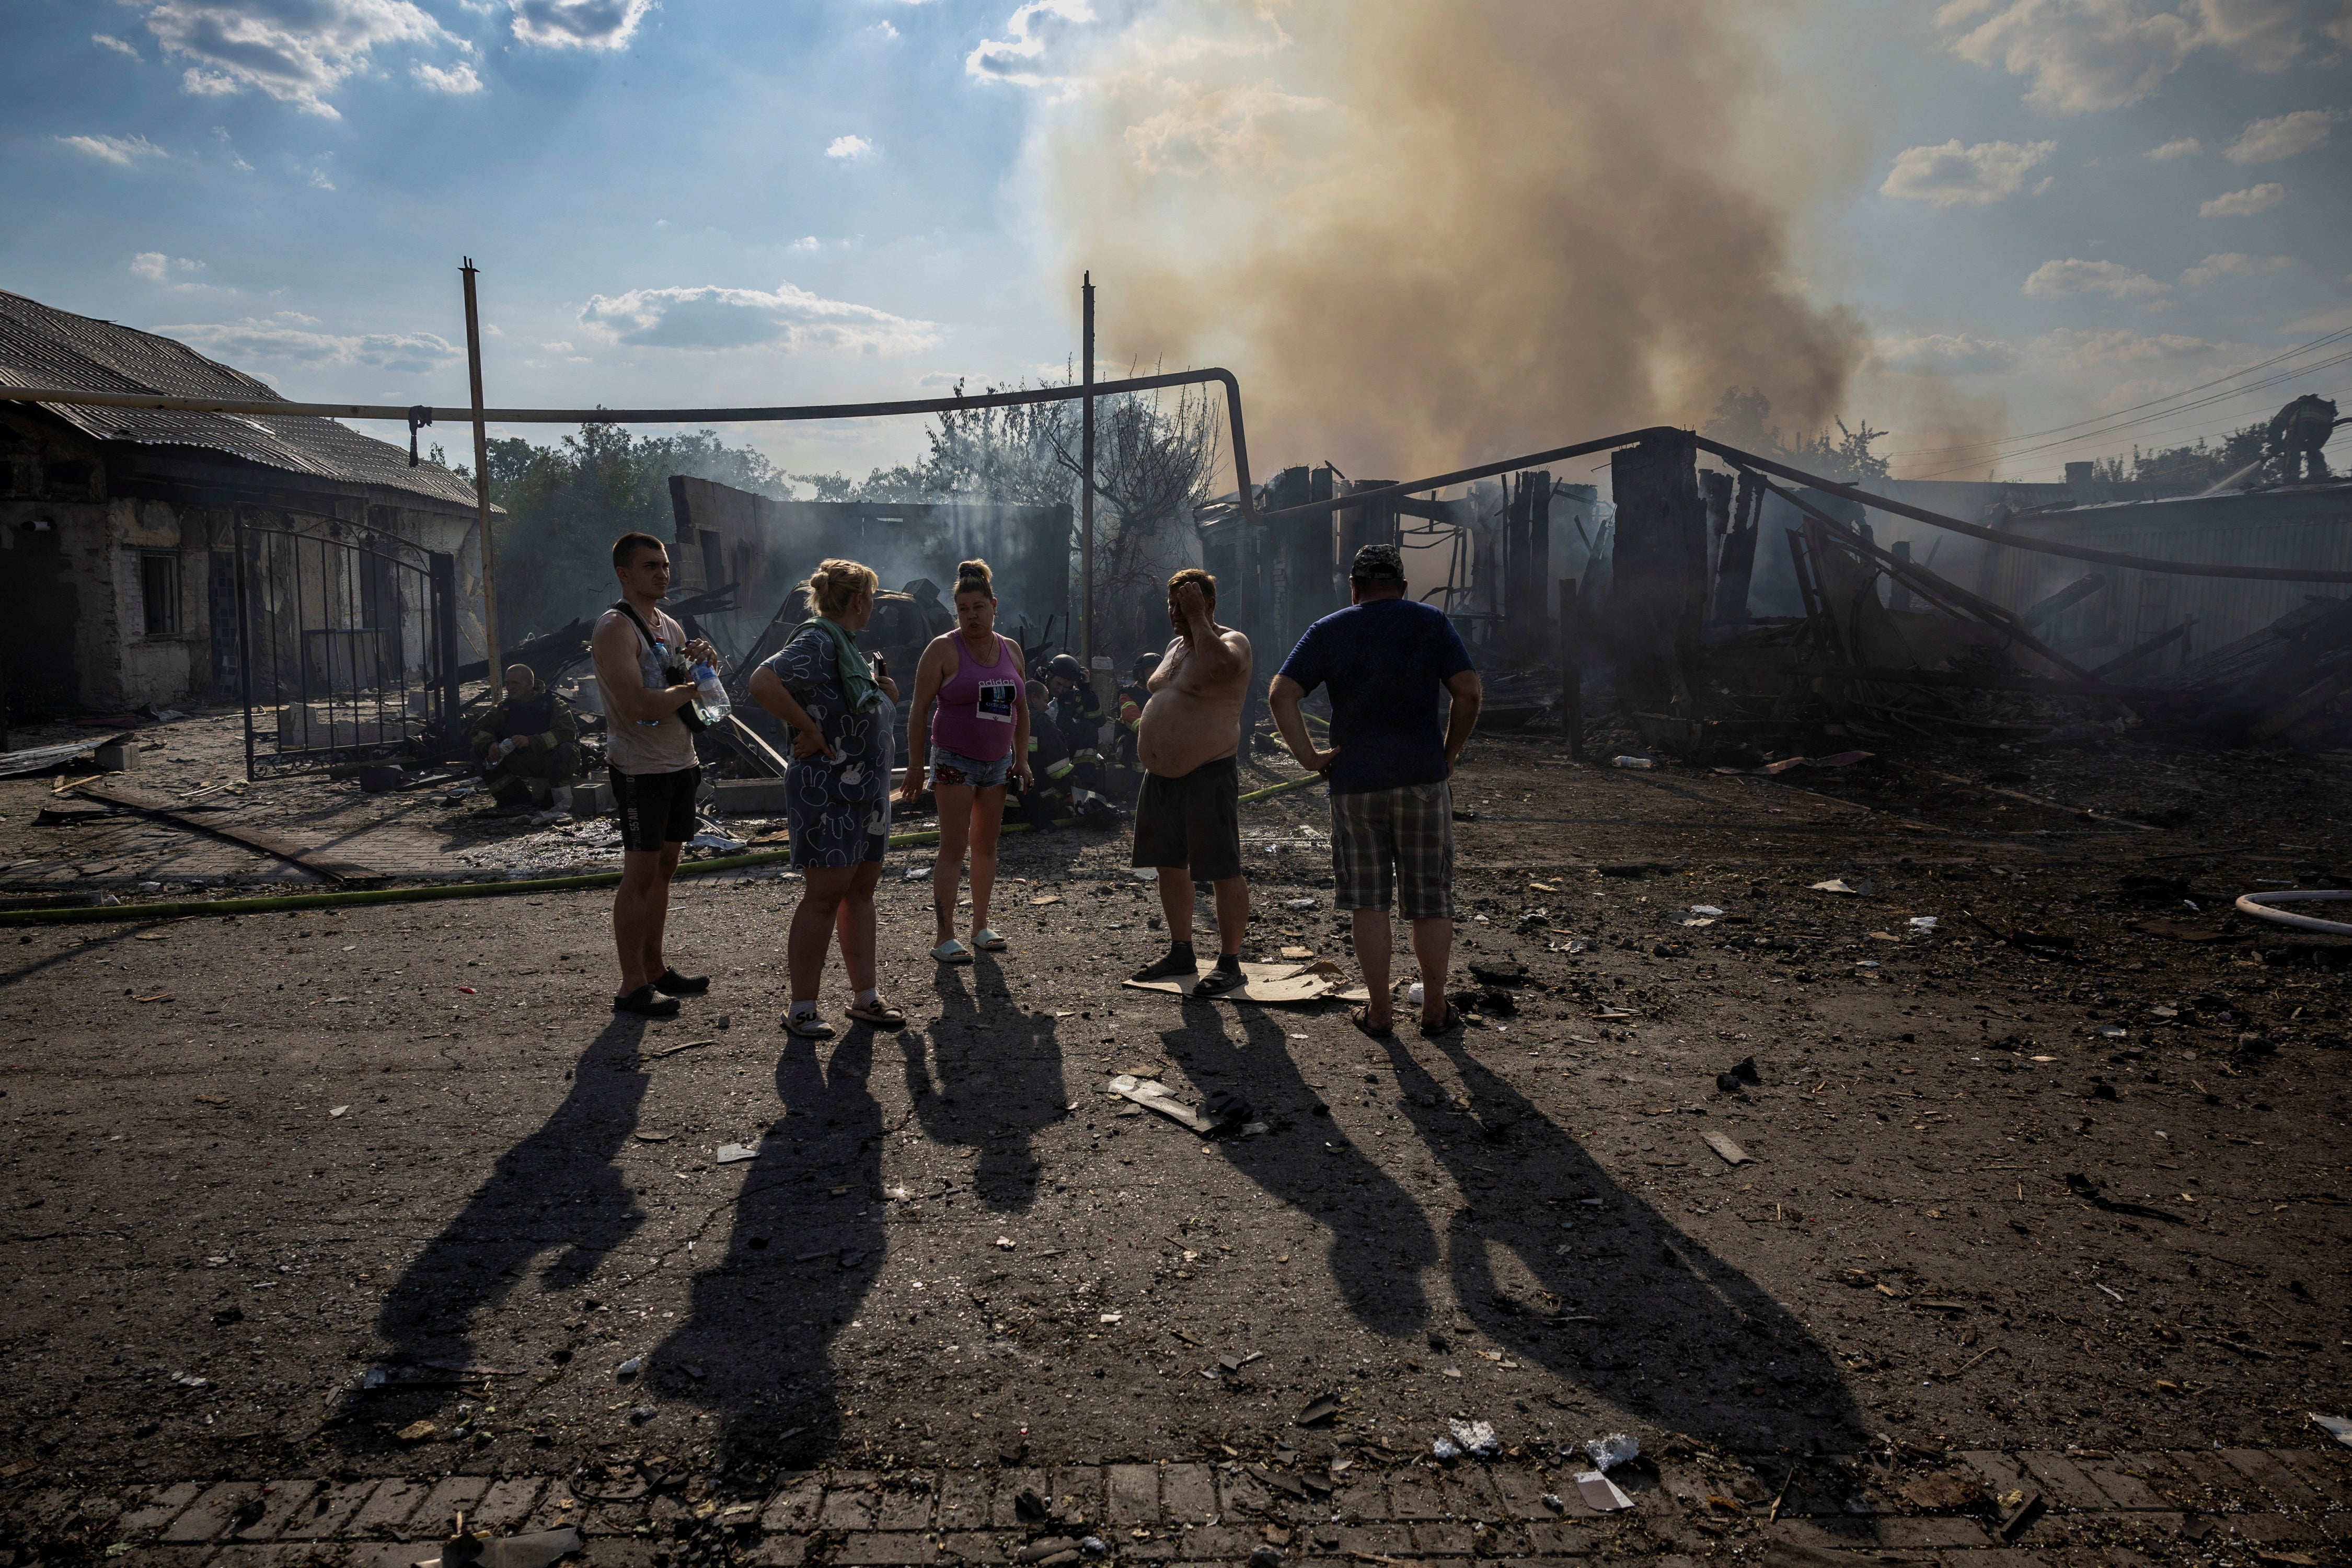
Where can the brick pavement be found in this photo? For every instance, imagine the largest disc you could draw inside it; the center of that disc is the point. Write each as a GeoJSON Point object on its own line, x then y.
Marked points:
{"type": "Point", "coordinates": [1909, 1506]}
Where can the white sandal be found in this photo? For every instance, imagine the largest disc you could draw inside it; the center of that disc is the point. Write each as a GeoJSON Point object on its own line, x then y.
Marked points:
{"type": "Point", "coordinates": [987, 941]}
{"type": "Point", "coordinates": [952, 951]}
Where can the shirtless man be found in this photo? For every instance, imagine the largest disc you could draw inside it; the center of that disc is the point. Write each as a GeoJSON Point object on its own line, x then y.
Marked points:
{"type": "Point", "coordinates": [1188, 818]}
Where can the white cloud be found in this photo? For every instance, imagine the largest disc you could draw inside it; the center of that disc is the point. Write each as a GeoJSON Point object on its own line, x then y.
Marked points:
{"type": "Point", "coordinates": [885, 28]}
{"type": "Point", "coordinates": [579, 24]}
{"type": "Point", "coordinates": [118, 150]}
{"type": "Point", "coordinates": [109, 41]}
{"type": "Point", "coordinates": [2229, 262]}
{"type": "Point", "coordinates": [1945, 354]}
{"type": "Point", "coordinates": [158, 268]}
{"type": "Point", "coordinates": [2056, 279]}
{"type": "Point", "coordinates": [1953, 175]}
{"type": "Point", "coordinates": [2080, 54]}
{"type": "Point", "coordinates": [807, 242]}
{"type": "Point", "coordinates": [849, 147]}
{"type": "Point", "coordinates": [297, 51]}
{"type": "Point", "coordinates": [711, 318]}
{"type": "Point", "coordinates": [2072, 348]}
{"type": "Point", "coordinates": [2085, 54]}
{"type": "Point", "coordinates": [2271, 35]}
{"type": "Point", "coordinates": [2268, 140]}
{"type": "Point", "coordinates": [1030, 33]}
{"type": "Point", "coordinates": [2246, 202]}
{"type": "Point", "coordinates": [286, 339]}
{"type": "Point", "coordinates": [2178, 147]}
{"type": "Point", "coordinates": [458, 80]}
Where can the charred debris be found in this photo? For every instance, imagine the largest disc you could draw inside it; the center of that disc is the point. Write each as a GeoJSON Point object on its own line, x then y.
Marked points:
{"type": "Point", "coordinates": [1729, 610]}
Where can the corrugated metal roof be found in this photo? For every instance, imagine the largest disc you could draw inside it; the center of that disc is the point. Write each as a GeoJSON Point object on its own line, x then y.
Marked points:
{"type": "Point", "coordinates": [41, 346]}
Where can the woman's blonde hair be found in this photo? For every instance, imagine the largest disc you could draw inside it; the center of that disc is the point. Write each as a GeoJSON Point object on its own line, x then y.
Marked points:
{"type": "Point", "coordinates": [835, 585]}
{"type": "Point", "coordinates": [973, 577]}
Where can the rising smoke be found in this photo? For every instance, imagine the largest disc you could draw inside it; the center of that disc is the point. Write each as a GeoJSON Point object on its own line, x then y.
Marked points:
{"type": "Point", "coordinates": [1426, 233]}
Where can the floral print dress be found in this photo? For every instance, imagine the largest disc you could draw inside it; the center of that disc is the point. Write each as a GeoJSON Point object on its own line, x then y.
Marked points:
{"type": "Point", "coordinates": [838, 807]}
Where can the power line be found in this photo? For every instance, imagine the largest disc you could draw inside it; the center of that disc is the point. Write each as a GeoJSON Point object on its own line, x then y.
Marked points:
{"type": "Point", "coordinates": [2126, 425]}
{"type": "Point", "coordinates": [1987, 447]}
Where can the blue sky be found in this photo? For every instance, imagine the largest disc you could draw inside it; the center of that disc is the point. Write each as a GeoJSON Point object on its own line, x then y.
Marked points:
{"type": "Point", "coordinates": [2032, 211]}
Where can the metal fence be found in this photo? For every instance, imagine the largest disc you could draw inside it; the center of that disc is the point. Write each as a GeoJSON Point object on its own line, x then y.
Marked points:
{"type": "Point", "coordinates": [347, 652]}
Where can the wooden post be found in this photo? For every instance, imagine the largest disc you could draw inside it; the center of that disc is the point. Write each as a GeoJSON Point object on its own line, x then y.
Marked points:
{"type": "Point", "coordinates": [1087, 481]}
{"type": "Point", "coordinates": [1572, 670]}
{"type": "Point", "coordinates": [482, 487]}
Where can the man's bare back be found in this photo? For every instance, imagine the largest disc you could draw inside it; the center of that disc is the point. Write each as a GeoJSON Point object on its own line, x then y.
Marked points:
{"type": "Point", "coordinates": [1194, 714]}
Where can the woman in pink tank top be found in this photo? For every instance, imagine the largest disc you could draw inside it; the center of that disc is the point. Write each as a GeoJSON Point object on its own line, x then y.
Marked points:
{"type": "Point", "coordinates": [978, 739]}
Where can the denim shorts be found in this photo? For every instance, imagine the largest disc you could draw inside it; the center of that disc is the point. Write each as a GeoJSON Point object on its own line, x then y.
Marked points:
{"type": "Point", "coordinates": [955, 768]}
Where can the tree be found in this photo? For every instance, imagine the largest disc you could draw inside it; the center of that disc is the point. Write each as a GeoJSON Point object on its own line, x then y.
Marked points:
{"type": "Point", "coordinates": [1154, 462]}
{"type": "Point", "coordinates": [1744, 420]}
{"type": "Point", "coordinates": [566, 503]}
{"type": "Point", "coordinates": [2185, 470]}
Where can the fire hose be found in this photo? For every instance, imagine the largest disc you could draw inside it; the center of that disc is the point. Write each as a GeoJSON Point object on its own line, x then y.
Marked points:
{"type": "Point", "coordinates": [183, 909]}
{"type": "Point", "coordinates": [2259, 906]}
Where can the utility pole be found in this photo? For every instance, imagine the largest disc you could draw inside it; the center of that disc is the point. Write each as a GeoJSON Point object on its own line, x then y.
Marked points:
{"type": "Point", "coordinates": [482, 485]}
{"type": "Point", "coordinates": [1086, 484]}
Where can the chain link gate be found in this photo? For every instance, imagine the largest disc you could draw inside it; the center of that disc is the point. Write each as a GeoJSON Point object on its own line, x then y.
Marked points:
{"type": "Point", "coordinates": [348, 652]}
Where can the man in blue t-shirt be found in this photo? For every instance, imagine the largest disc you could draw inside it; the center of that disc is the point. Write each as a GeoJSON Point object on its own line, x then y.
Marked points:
{"type": "Point", "coordinates": [1384, 658]}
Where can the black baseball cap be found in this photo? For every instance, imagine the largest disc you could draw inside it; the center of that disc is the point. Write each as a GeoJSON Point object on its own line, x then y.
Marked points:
{"type": "Point", "coordinates": [1376, 562]}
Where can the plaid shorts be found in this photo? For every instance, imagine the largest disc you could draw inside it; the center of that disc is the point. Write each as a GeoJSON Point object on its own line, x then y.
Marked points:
{"type": "Point", "coordinates": [1400, 838]}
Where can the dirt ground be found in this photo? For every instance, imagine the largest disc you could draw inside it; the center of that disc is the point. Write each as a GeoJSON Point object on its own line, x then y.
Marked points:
{"type": "Point", "coordinates": [2068, 1168]}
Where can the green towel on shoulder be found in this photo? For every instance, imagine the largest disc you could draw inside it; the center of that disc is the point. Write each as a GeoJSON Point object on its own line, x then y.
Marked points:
{"type": "Point", "coordinates": [857, 680]}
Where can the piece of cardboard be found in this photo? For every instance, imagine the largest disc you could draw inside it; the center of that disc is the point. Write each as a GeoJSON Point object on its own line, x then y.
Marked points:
{"type": "Point", "coordinates": [1278, 984]}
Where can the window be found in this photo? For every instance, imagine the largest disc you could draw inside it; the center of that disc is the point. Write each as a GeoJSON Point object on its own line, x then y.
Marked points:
{"type": "Point", "coordinates": [158, 593]}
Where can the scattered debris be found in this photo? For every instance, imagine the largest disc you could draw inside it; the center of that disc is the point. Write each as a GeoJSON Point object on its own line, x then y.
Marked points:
{"type": "Point", "coordinates": [1476, 1437]}
{"type": "Point", "coordinates": [1615, 1449]}
{"type": "Point", "coordinates": [1600, 1493]}
{"type": "Point", "coordinates": [1322, 1407]}
{"type": "Point", "coordinates": [2336, 1426]}
{"type": "Point", "coordinates": [734, 1153]}
{"type": "Point", "coordinates": [1733, 1154]}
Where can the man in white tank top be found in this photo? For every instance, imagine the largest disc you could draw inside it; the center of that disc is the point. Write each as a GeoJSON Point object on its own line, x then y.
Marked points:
{"type": "Point", "coordinates": [642, 657]}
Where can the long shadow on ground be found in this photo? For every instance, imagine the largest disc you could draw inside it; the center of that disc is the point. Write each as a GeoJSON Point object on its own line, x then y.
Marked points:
{"type": "Point", "coordinates": [1681, 1337]}
{"type": "Point", "coordinates": [561, 1187]}
{"type": "Point", "coordinates": [1380, 1240]}
{"type": "Point", "coordinates": [805, 1247]}
{"type": "Point", "coordinates": [998, 1081]}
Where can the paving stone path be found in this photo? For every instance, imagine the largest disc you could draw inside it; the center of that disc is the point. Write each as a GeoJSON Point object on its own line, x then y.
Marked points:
{"type": "Point", "coordinates": [2245, 1506]}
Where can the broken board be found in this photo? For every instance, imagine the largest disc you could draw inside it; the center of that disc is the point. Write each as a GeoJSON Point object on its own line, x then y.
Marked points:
{"type": "Point", "coordinates": [1272, 985]}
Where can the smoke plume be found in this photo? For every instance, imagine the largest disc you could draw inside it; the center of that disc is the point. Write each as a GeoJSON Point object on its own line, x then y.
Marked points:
{"type": "Point", "coordinates": [1429, 233]}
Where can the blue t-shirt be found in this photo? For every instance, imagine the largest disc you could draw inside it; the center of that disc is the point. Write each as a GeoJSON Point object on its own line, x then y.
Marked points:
{"type": "Point", "coordinates": [1385, 662]}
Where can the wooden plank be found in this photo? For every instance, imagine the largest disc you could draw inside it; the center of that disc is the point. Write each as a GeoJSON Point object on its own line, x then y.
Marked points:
{"type": "Point", "coordinates": [298, 855]}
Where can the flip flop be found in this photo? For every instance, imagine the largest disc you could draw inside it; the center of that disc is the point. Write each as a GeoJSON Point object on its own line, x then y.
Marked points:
{"type": "Point", "coordinates": [881, 1015]}
{"type": "Point", "coordinates": [807, 1026]}
{"type": "Point", "coordinates": [1445, 1026]}
{"type": "Point", "coordinates": [952, 951]}
{"type": "Point", "coordinates": [1362, 1018]}
{"type": "Point", "coordinates": [987, 941]}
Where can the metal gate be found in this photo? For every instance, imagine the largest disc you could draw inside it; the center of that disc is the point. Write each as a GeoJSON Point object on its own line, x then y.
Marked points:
{"type": "Point", "coordinates": [348, 652]}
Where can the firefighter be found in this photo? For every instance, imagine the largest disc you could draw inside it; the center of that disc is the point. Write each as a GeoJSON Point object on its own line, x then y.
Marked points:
{"type": "Point", "coordinates": [1079, 715]}
{"type": "Point", "coordinates": [2298, 431]}
{"type": "Point", "coordinates": [1133, 696]}
{"type": "Point", "coordinates": [1047, 803]}
{"type": "Point", "coordinates": [524, 747]}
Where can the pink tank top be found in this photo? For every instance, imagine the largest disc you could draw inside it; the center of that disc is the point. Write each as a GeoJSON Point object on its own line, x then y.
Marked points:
{"type": "Point", "coordinates": [979, 703]}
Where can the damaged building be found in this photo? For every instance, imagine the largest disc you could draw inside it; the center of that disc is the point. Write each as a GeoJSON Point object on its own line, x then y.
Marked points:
{"type": "Point", "coordinates": [124, 527]}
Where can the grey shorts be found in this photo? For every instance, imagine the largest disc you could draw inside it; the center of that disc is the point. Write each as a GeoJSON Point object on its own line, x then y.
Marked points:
{"type": "Point", "coordinates": [1394, 840]}
{"type": "Point", "coordinates": [955, 768]}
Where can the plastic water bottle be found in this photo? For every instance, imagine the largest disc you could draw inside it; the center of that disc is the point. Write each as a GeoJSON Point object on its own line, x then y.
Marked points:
{"type": "Point", "coordinates": [710, 694]}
